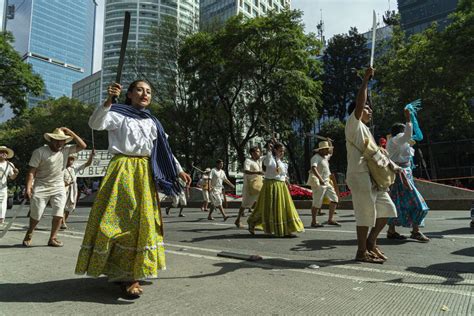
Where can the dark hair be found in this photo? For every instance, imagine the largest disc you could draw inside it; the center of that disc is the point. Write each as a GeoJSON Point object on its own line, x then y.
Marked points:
{"type": "Point", "coordinates": [253, 149]}
{"type": "Point", "coordinates": [218, 161]}
{"type": "Point", "coordinates": [353, 104]}
{"type": "Point", "coordinates": [132, 86]}
{"type": "Point", "coordinates": [276, 146]}
{"type": "Point", "coordinates": [397, 128]}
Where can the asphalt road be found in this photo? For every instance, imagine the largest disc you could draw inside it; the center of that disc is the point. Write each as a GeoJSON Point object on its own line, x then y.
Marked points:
{"type": "Point", "coordinates": [312, 274]}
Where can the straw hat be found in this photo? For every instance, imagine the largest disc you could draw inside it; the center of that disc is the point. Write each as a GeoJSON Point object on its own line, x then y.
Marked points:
{"type": "Point", "coordinates": [57, 134]}
{"type": "Point", "coordinates": [74, 156]}
{"type": "Point", "coordinates": [10, 152]}
{"type": "Point", "coordinates": [207, 170]}
{"type": "Point", "coordinates": [323, 145]}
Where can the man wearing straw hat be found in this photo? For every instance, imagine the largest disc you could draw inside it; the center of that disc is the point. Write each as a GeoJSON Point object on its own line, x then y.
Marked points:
{"type": "Point", "coordinates": [7, 171]}
{"type": "Point", "coordinates": [47, 166]}
{"type": "Point", "coordinates": [320, 184]}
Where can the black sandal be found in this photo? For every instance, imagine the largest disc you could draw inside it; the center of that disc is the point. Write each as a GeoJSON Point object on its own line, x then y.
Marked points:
{"type": "Point", "coordinates": [395, 235]}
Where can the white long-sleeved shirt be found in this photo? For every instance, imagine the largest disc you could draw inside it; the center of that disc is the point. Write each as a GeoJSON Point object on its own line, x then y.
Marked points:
{"type": "Point", "coordinates": [271, 163]}
{"type": "Point", "coordinates": [398, 146]}
{"type": "Point", "coordinates": [127, 136]}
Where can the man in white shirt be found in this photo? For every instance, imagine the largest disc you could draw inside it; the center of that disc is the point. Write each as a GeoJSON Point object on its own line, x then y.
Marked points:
{"type": "Point", "coordinates": [7, 171]}
{"type": "Point", "coordinates": [322, 187]}
{"type": "Point", "coordinates": [47, 166]}
{"type": "Point", "coordinates": [218, 178]}
{"type": "Point", "coordinates": [372, 208]}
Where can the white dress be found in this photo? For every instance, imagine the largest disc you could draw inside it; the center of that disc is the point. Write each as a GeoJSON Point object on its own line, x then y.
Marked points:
{"type": "Point", "coordinates": [5, 171]}
{"type": "Point", "coordinates": [254, 166]}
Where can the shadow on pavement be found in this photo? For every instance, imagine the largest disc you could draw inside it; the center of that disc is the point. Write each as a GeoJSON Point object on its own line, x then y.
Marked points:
{"type": "Point", "coordinates": [72, 290]}
{"type": "Point", "coordinates": [267, 264]}
{"type": "Point", "coordinates": [457, 231]}
{"type": "Point", "coordinates": [328, 244]}
{"type": "Point", "coordinates": [451, 271]}
{"type": "Point", "coordinates": [468, 252]}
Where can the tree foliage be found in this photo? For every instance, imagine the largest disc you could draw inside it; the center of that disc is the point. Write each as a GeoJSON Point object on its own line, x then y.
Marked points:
{"type": "Point", "coordinates": [17, 79]}
{"type": "Point", "coordinates": [436, 67]}
{"type": "Point", "coordinates": [344, 55]}
{"type": "Point", "coordinates": [254, 77]}
{"type": "Point", "coordinates": [24, 133]}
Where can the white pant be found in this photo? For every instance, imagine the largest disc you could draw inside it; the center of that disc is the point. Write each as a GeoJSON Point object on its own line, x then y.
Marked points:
{"type": "Point", "coordinates": [38, 204]}
{"type": "Point", "coordinates": [3, 203]}
{"type": "Point", "coordinates": [322, 191]}
{"type": "Point", "coordinates": [179, 199]}
{"type": "Point", "coordinates": [369, 203]}
{"type": "Point", "coordinates": [217, 197]}
{"type": "Point", "coordinates": [205, 196]}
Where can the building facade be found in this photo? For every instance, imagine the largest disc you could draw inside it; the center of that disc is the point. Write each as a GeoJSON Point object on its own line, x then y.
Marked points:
{"type": "Point", "coordinates": [216, 12]}
{"type": "Point", "coordinates": [87, 90]}
{"type": "Point", "coordinates": [57, 39]}
{"type": "Point", "coordinates": [417, 15]}
{"type": "Point", "coordinates": [144, 14]}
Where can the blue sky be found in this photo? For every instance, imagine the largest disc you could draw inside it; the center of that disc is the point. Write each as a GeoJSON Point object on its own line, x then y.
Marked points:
{"type": "Point", "coordinates": [338, 16]}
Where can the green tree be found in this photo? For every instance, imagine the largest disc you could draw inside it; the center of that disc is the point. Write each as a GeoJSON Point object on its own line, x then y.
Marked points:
{"type": "Point", "coordinates": [436, 67]}
{"type": "Point", "coordinates": [254, 76]}
{"type": "Point", "coordinates": [17, 79]}
{"type": "Point", "coordinates": [344, 55]}
{"type": "Point", "coordinates": [24, 132]}
{"type": "Point", "coordinates": [193, 137]}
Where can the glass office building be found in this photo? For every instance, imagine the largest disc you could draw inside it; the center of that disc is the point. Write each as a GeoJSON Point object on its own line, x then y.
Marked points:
{"type": "Point", "coordinates": [144, 14]}
{"type": "Point", "coordinates": [216, 12]}
{"type": "Point", "coordinates": [57, 38]}
{"type": "Point", "coordinates": [417, 15]}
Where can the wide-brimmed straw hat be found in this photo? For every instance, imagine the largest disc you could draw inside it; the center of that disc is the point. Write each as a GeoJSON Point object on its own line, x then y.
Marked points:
{"type": "Point", "coordinates": [10, 152]}
{"type": "Point", "coordinates": [323, 145]}
{"type": "Point", "coordinates": [57, 134]}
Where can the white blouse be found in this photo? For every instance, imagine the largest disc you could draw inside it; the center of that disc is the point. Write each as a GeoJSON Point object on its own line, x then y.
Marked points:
{"type": "Point", "coordinates": [398, 146]}
{"type": "Point", "coordinates": [271, 163]}
{"type": "Point", "coordinates": [127, 136]}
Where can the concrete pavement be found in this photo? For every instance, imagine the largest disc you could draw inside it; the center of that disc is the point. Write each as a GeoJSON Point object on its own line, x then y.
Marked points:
{"type": "Point", "coordinates": [419, 279]}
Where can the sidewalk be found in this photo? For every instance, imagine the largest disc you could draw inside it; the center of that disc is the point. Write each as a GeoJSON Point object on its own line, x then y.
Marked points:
{"type": "Point", "coordinates": [40, 280]}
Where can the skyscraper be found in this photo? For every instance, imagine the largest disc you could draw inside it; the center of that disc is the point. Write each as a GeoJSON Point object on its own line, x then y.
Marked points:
{"type": "Point", "coordinates": [144, 14]}
{"type": "Point", "coordinates": [57, 38]}
{"type": "Point", "coordinates": [418, 15]}
{"type": "Point", "coordinates": [218, 11]}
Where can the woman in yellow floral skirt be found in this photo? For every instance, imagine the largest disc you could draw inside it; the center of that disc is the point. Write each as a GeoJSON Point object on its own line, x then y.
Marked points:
{"type": "Point", "coordinates": [275, 210]}
{"type": "Point", "coordinates": [124, 234]}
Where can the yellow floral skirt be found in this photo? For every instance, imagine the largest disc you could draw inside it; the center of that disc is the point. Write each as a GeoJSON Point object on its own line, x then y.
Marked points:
{"type": "Point", "coordinates": [124, 236]}
{"type": "Point", "coordinates": [275, 210]}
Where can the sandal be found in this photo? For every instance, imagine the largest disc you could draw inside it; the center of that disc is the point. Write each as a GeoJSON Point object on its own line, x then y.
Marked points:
{"type": "Point", "coordinates": [131, 290]}
{"type": "Point", "coordinates": [210, 218]}
{"type": "Point", "coordinates": [238, 225]}
{"type": "Point", "coordinates": [316, 225]}
{"type": "Point", "coordinates": [334, 223]}
{"type": "Point", "coordinates": [378, 253]}
{"type": "Point", "coordinates": [419, 236]}
{"type": "Point", "coordinates": [395, 235]}
{"type": "Point", "coordinates": [368, 258]}
{"type": "Point", "coordinates": [55, 243]}
{"type": "Point", "coordinates": [27, 239]}
{"type": "Point", "coordinates": [226, 217]}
